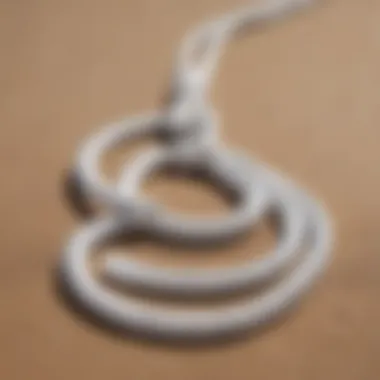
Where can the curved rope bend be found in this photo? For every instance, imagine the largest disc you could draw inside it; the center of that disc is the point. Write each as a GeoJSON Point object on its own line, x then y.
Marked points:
{"type": "Point", "coordinates": [190, 124]}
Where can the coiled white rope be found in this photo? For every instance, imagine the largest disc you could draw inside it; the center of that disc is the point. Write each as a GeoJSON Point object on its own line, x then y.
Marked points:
{"type": "Point", "coordinates": [190, 125]}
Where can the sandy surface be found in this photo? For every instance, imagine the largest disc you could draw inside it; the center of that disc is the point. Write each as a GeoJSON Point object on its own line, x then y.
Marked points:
{"type": "Point", "coordinates": [303, 95]}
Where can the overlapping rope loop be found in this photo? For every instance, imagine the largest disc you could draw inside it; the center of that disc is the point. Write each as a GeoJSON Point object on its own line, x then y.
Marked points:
{"type": "Point", "coordinates": [304, 237]}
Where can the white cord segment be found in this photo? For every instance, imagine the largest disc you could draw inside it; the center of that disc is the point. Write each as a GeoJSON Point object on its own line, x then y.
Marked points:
{"type": "Point", "coordinates": [304, 236]}
{"type": "Point", "coordinates": [191, 79]}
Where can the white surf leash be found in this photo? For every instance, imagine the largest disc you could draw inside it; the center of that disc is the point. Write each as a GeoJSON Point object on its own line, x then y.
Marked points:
{"type": "Point", "coordinates": [189, 124]}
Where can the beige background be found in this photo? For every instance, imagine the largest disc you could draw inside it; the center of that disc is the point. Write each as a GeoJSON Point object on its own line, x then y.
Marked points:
{"type": "Point", "coordinates": [304, 95]}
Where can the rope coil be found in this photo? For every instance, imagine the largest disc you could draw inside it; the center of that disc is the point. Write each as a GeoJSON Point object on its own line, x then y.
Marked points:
{"type": "Point", "coordinates": [304, 236]}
